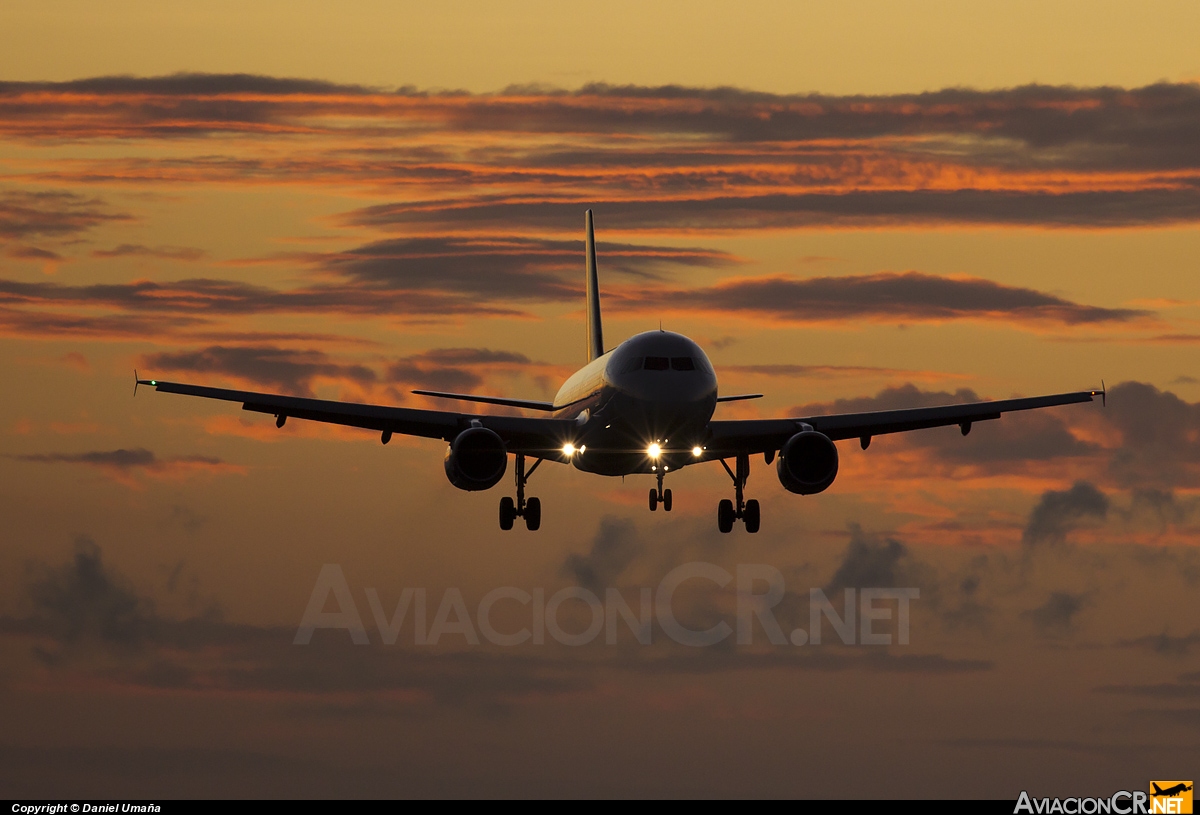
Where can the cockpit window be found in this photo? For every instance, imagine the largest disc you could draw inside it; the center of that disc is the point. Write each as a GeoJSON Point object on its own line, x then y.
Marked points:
{"type": "Point", "coordinates": [657, 364]}
{"type": "Point", "coordinates": [683, 364]}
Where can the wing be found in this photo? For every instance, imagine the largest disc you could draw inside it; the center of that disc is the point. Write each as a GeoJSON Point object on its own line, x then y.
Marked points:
{"type": "Point", "coordinates": [768, 435]}
{"type": "Point", "coordinates": [490, 400]}
{"type": "Point", "coordinates": [543, 438]}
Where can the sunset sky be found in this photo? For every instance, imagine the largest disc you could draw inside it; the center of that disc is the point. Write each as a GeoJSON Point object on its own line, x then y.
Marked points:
{"type": "Point", "coordinates": [850, 206]}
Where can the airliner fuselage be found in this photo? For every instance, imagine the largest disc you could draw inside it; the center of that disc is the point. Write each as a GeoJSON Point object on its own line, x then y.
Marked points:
{"type": "Point", "coordinates": [656, 388]}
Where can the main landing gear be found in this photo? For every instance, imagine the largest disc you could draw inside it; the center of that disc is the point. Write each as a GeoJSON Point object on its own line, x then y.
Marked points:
{"type": "Point", "coordinates": [660, 496]}
{"type": "Point", "coordinates": [747, 511]}
{"type": "Point", "coordinates": [530, 510]}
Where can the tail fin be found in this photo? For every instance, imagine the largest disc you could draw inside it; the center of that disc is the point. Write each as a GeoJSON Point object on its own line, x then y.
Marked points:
{"type": "Point", "coordinates": [595, 334]}
{"type": "Point", "coordinates": [1157, 788]}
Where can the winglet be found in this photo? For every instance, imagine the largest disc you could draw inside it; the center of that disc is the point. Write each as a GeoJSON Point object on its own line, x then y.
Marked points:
{"type": "Point", "coordinates": [139, 381]}
{"type": "Point", "coordinates": [1103, 394]}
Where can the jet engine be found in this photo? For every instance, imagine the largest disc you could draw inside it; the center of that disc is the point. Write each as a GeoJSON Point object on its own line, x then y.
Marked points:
{"type": "Point", "coordinates": [807, 463]}
{"type": "Point", "coordinates": [476, 459]}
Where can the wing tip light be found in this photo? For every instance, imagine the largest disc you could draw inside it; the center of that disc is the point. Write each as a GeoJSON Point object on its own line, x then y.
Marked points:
{"type": "Point", "coordinates": [137, 380]}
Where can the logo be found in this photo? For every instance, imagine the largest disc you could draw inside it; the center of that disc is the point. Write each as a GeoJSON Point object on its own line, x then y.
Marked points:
{"type": "Point", "coordinates": [1171, 797]}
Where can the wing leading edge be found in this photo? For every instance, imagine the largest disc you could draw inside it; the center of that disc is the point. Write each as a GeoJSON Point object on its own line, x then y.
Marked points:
{"type": "Point", "coordinates": [540, 437]}
{"type": "Point", "coordinates": [768, 435]}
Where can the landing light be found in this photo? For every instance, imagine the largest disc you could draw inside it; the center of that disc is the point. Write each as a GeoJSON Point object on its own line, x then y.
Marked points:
{"type": "Point", "coordinates": [697, 452]}
{"type": "Point", "coordinates": [568, 449]}
{"type": "Point", "coordinates": [654, 451]}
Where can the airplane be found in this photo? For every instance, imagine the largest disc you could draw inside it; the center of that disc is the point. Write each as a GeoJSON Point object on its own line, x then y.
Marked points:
{"type": "Point", "coordinates": [643, 407]}
{"type": "Point", "coordinates": [1170, 792]}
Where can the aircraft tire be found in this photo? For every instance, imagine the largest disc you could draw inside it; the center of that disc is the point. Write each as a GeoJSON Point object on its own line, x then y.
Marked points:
{"type": "Point", "coordinates": [666, 500]}
{"type": "Point", "coordinates": [725, 515]}
{"type": "Point", "coordinates": [752, 516]}
{"type": "Point", "coordinates": [508, 513]}
{"type": "Point", "coordinates": [533, 514]}
{"type": "Point", "coordinates": [653, 500]}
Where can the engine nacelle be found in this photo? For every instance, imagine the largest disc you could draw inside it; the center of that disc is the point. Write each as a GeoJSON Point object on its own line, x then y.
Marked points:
{"type": "Point", "coordinates": [476, 459]}
{"type": "Point", "coordinates": [807, 463]}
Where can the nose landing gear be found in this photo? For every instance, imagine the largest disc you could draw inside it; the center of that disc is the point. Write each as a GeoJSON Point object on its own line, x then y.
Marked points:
{"type": "Point", "coordinates": [660, 496]}
{"type": "Point", "coordinates": [729, 511]}
{"type": "Point", "coordinates": [530, 510]}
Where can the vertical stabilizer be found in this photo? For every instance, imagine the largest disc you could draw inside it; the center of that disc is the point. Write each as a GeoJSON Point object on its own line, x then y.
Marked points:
{"type": "Point", "coordinates": [595, 334]}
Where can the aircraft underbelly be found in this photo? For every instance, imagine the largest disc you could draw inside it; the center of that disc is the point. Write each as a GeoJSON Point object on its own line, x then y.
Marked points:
{"type": "Point", "coordinates": [624, 427]}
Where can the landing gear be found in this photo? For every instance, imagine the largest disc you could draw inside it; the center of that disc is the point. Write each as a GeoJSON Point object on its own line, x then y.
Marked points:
{"type": "Point", "coordinates": [725, 515]}
{"type": "Point", "coordinates": [530, 510]}
{"type": "Point", "coordinates": [508, 513]}
{"type": "Point", "coordinates": [730, 511]}
{"type": "Point", "coordinates": [660, 496]}
{"type": "Point", "coordinates": [663, 498]}
{"type": "Point", "coordinates": [751, 516]}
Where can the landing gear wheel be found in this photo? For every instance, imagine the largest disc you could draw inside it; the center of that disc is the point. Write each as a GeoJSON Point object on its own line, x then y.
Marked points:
{"type": "Point", "coordinates": [666, 500]}
{"type": "Point", "coordinates": [653, 500]}
{"type": "Point", "coordinates": [508, 513]}
{"type": "Point", "coordinates": [751, 516]}
{"type": "Point", "coordinates": [533, 514]}
{"type": "Point", "coordinates": [725, 515]}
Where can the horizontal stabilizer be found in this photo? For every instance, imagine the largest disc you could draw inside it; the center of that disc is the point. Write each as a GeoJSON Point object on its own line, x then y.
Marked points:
{"type": "Point", "coordinates": [739, 397]}
{"type": "Point", "coordinates": [491, 400]}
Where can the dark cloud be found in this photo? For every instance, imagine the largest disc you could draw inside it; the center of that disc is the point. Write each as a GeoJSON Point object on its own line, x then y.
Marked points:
{"type": "Point", "coordinates": [1187, 717]}
{"type": "Point", "coordinates": [1150, 447]}
{"type": "Point", "coordinates": [198, 299]}
{"type": "Point", "coordinates": [277, 368]}
{"type": "Point", "coordinates": [713, 660]}
{"type": "Point", "coordinates": [704, 158]}
{"type": "Point", "coordinates": [1058, 512]}
{"type": "Point", "coordinates": [1187, 688]}
{"type": "Point", "coordinates": [457, 370]}
{"type": "Point", "coordinates": [894, 397]}
{"type": "Point", "coordinates": [959, 599]}
{"type": "Point", "coordinates": [428, 277]}
{"type": "Point", "coordinates": [1165, 643]}
{"type": "Point", "coordinates": [184, 84]}
{"type": "Point", "coordinates": [1160, 437]}
{"type": "Point", "coordinates": [55, 325]}
{"type": "Point", "coordinates": [787, 370]}
{"type": "Point", "coordinates": [1015, 439]}
{"type": "Point", "coordinates": [83, 601]}
{"type": "Point", "coordinates": [1143, 127]}
{"type": "Point", "coordinates": [1056, 614]}
{"type": "Point", "coordinates": [872, 562]}
{"type": "Point", "coordinates": [157, 252]}
{"type": "Point", "coordinates": [509, 267]}
{"type": "Point", "coordinates": [911, 296]}
{"type": "Point", "coordinates": [854, 208]}
{"type": "Point", "coordinates": [614, 548]}
{"type": "Point", "coordinates": [1161, 509]}
{"type": "Point", "coordinates": [50, 214]}
{"type": "Point", "coordinates": [31, 253]}
{"type": "Point", "coordinates": [123, 464]}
